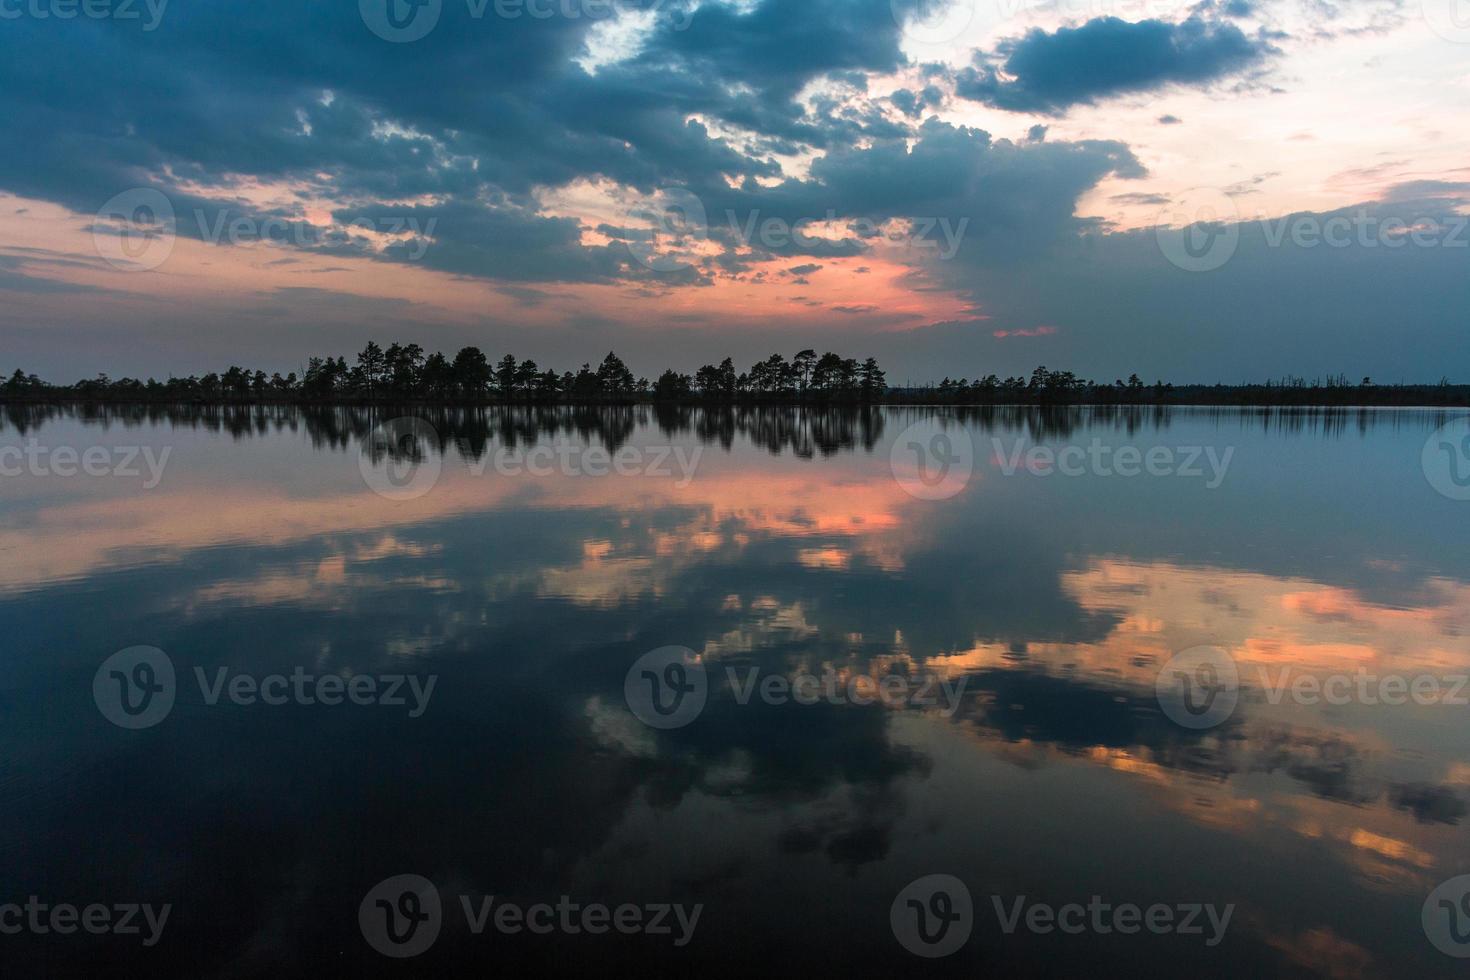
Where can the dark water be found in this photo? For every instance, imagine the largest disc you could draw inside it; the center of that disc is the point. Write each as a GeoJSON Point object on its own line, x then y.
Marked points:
{"type": "Point", "coordinates": [1022, 622]}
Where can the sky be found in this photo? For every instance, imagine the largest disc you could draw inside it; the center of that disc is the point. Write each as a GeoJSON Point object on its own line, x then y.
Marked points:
{"type": "Point", "coordinates": [1226, 190]}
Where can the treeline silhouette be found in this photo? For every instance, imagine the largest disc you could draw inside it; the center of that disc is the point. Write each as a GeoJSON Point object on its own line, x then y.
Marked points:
{"type": "Point", "coordinates": [806, 431]}
{"type": "Point", "coordinates": [1046, 387]}
{"type": "Point", "coordinates": [403, 374]}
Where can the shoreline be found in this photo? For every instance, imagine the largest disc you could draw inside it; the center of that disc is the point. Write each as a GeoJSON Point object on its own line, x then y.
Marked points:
{"type": "Point", "coordinates": [1461, 403]}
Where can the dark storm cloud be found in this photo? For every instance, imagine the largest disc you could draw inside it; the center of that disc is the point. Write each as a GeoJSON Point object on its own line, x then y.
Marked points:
{"type": "Point", "coordinates": [1050, 73]}
{"type": "Point", "coordinates": [476, 114]}
{"type": "Point", "coordinates": [483, 111]}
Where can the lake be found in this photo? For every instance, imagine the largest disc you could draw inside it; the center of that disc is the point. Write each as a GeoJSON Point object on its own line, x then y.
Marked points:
{"type": "Point", "coordinates": [734, 691]}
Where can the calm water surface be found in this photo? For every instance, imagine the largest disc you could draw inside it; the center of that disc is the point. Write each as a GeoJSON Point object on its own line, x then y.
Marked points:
{"type": "Point", "coordinates": [1037, 609]}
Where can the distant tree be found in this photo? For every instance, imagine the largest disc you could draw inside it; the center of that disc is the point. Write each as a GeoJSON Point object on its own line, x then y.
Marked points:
{"type": "Point", "coordinates": [720, 381]}
{"type": "Point", "coordinates": [872, 381]}
{"type": "Point", "coordinates": [772, 375]}
{"type": "Point", "coordinates": [548, 384]}
{"type": "Point", "coordinates": [707, 380]}
{"type": "Point", "coordinates": [526, 374]}
{"type": "Point", "coordinates": [613, 375]}
{"type": "Point", "coordinates": [586, 384]}
{"type": "Point", "coordinates": [370, 363]}
{"type": "Point", "coordinates": [505, 375]}
{"type": "Point", "coordinates": [403, 366]}
{"type": "Point", "coordinates": [802, 365]}
{"type": "Point", "coordinates": [22, 383]}
{"type": "Point", "coordinates": [671, 385]}
{"type": "Point", "coordinates": [471, 370]}
{"type": "Point", "coordinates": [437, 374]}
{"type": "Point", "coordinates": [829, 372]}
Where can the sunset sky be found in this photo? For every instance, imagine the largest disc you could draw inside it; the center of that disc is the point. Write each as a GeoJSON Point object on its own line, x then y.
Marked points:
{"type": "Point", "coordinates": [963, 189]}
